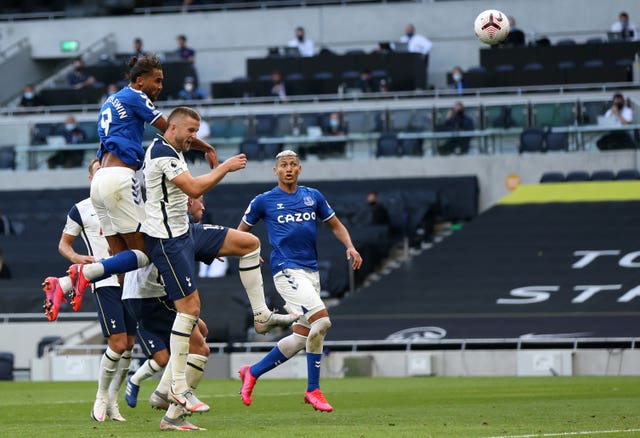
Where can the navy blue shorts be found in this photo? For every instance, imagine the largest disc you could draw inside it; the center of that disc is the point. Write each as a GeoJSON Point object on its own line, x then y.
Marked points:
{"type": "Point", "coordinates": [207, 240]}
{"type": "Point", "coordinates": [155, 318]}
{"type": "Point", "coordinates": [175, 261]}
{"type": "Point", "coordinates": [111, 313]}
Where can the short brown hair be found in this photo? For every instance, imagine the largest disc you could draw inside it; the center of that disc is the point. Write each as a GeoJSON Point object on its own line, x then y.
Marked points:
{"type": "Point", "coordinates": [183, 111]}
{"type": "Point", "coordinates": [91, 163]}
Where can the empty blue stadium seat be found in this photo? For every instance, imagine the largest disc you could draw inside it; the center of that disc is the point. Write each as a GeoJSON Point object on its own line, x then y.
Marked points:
{"type": "Point", "coordinates": [577, 176]}
{"type": "Point", "coordinates": [602, 175]}
{"type": "Point", "coordinates": [533, 66]}
{"type": "Point", "coordinates": [556, 141]}
{"type": "Point", "coordinates": [552, 177]}
{"type": "Point", "coordinates": [532, 140]}
{"type": "Point", "coordinates": [388, 145]}
{"type": "Point", "coordinates": [627, 174]}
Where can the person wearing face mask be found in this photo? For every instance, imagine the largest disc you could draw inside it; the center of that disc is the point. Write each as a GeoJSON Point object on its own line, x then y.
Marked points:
{"type": "Point", "coordinates": [457, 79]}
{"type": "Point", "coordinates": [73, 134]}
{"type": "Point", "coordinates": [190, 91]}
{"type": "Point", "coordinates": [334, 127]}
{"type": "Point", "coordinates": [78, 78]}
{"type": "Point", "coordinates": [379, 213]}
{"type": "Point", "coordinates": [305, 45]}
{"type": "Point", "coordinates": [627, 29]}
{"type": "Point", "coordinates": [29, 97]}
{"type": "Point", "coordinates": [416, 43]}
{"type": "Point", "coordinates": [621, 115]}
{"type": "Point", "coordinates": [456, 120]}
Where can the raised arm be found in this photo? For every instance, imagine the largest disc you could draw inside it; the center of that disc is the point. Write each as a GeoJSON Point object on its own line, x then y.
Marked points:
{"type": "Point", "coordinates": [197, 186]}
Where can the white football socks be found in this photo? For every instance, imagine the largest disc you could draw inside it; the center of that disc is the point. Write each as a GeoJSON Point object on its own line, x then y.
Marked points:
{"type": "Point", "coordinates": [120, 375]}
{"type": "Point", "coordinates": [179, 346]}
{"type": "Point", "coordinates": [108, 366]}
{"type": "Point", "coordinates": [195, 369]}
{"type": "Point", "coordinates": [146, 371]}
{"type": "Point", "coordinates": [251, 278]}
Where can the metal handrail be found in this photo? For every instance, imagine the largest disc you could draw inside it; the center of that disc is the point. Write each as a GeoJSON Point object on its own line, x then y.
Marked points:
{"type": "Point", "coordinates": [606, 87]}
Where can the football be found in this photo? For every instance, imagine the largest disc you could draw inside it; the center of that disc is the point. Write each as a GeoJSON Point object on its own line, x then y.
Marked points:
{"type": "Point", "coordinates": [491, 26]}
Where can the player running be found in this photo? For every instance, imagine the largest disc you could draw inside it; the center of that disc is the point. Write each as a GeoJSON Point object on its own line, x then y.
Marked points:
{"type": "Point", "coordinates": [291, 214]}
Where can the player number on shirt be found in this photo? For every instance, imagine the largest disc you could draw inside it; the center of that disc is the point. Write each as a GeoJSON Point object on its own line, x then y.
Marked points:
{"type": "Point", "coordinates": [105, 120]}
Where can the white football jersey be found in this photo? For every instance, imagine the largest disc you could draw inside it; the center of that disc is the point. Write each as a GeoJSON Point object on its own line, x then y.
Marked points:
{"type": "Point", "coordinates": [82, 220]}
{"type": "Point", "coordinates": [166, 204]}
{"type": "Point", "coordinates": [143, 283]}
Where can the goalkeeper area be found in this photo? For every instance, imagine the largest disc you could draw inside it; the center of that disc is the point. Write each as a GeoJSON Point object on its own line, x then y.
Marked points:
{"type": "Point", "coordinates": [364, 407]}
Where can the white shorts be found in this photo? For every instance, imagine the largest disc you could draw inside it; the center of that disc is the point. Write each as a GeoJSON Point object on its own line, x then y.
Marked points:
{"type": "Point", "coordinates": [300, 290]}
{"type": "Point", "coordinates": [115, 194]}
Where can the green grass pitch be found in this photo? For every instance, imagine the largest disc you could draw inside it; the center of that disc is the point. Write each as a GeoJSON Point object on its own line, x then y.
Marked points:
{"type": "Point", "coordinates": [363, 407]}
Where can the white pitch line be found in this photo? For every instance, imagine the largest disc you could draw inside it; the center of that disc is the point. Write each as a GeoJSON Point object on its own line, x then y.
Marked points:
{"type": "Point", "coordinates": [586, 432]}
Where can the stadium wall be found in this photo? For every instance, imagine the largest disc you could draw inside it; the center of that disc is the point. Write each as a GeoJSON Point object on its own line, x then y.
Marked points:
{"type": "Point", "coordinates": [224, 40]}
{"type": "Point", "coordinates": [443, 363]}
{"type": "Point", "coordinates": [493, 171]}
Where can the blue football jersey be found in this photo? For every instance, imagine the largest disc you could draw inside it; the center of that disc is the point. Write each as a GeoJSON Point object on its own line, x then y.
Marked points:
{"type": "Point", "coordinates": [121, 125]}
{"type": "Point", "coordinates": [292, 223]}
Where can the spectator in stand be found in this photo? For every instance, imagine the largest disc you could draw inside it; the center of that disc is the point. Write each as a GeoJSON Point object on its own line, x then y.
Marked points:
{"type": "Point", "coordinates": [334, 127]}
{"type": "Point", "coordinates": [29, 98]}
{"type": "Point", "coordinates": [379, 213]}
{"type": "Point", "coordinates": [367, 83]}
{"type": "Point", "coordinates": [621, 114]}
{"type": "Point", "coordinates": [138, 51]}
{"type": "Point", "coordinates": [190, 91]}
{"type": "Point", "coordinates": [516, 37]}
{"type": "Point", "coordinates": [416, 43]}
{"type": "Point", "coordinates": [457, 79]}
{"type": "Point", "coordinates": [111, 90]}
{"type": "Point", "coordinates": [187, 54]}
{"type": "Point", "coordinates": [78, 78]}
{"type": "Point", "coordinates": [304, 44]}
{"type": "Point", "coordinates": [73, 134]}
{"type": "Point", "coordinates": [456, 120]}
{"type": "Point", "coordinates": [626, 28]}
{"type": "Point", "coordinates": [278, 87]}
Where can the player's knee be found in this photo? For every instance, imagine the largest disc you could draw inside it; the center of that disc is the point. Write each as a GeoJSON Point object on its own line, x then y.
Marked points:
{"type": "Point", "coordinates": [246, 243]}
{"type": "Point", "coordinates": [202, 349]}
{"type": "Point", "coordinates": [161, 357]}
{"type": "Point", "coordinates": [251, 257]}
{"type": "Point", "coordinates": [189, 305]}
{"type": "Point", "coordinates": [141, 257]}
{"type": "Point", "coordinates": [321, 325]}
{"type": "Point", "coordinates": [118, 343]}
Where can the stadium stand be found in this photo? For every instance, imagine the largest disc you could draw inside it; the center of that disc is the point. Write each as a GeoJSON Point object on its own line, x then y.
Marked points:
{"type": "Point", "coordinates": [33, 254]}
{"type": "Point", "coordinates": [480, 282]}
